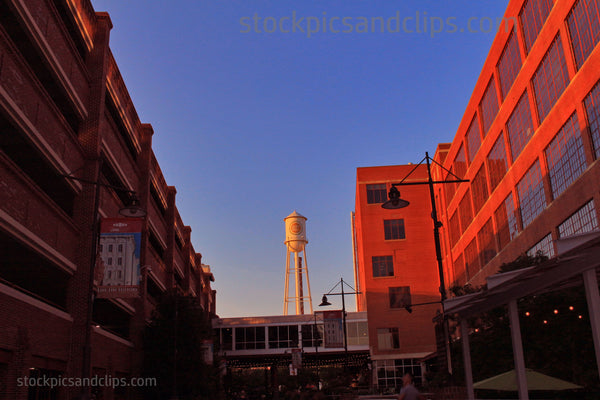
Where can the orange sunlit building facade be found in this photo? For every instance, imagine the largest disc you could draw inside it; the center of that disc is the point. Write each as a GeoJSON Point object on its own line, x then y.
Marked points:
{"type": "Point", "coordinates": [396, 268]}
{"type": "Point", "coordinates": [529, 142]}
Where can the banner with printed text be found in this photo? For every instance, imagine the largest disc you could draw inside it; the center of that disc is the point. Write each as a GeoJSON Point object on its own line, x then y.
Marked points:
{"type": "Point", "coordinates": [117, 271]}
{"type": "Point", "coordinates": [333, 329]}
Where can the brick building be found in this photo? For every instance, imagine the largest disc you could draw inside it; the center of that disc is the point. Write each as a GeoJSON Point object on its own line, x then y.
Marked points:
{"type": "Point", "coordinates": [396, 268]}
{"type": "Point", "coordinates": [529, 142]}
{"type": "Point", "coordinates": [65, 110]}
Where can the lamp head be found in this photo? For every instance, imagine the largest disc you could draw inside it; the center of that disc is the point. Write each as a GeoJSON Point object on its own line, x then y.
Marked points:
{"type": "Point", "coordinates": [324, 302]}
{"type": "Point", "coordinates": [133, 209]}
{"type": "Point", "coordinates": [394, 202]}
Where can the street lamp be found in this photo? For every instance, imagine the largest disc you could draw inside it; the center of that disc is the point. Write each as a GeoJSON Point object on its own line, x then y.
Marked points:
{"type": "Point", "coordinates": [325, 303]}
{"type": "Point", "coordinates": [132, 209]}
{"type": "Point", "coordinates": [395, 202]}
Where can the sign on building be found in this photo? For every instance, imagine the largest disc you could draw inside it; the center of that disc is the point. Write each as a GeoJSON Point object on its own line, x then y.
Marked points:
{"type": "Point", "coordinates": [117, 270]}
{"type": "Point", "coordinates": [333, 329]}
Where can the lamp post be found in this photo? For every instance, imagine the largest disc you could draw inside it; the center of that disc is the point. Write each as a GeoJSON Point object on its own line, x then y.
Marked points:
{"type": "Point", "coordinates": [131, 210]}
{"type": "Point", "coordinates": [324, 303]}
{"type": "Point", "coordinates": [395, 202]}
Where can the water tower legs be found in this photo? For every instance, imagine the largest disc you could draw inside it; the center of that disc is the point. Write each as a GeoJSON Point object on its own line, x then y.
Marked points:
{"type": "Point", "coordinates": [300, 273]}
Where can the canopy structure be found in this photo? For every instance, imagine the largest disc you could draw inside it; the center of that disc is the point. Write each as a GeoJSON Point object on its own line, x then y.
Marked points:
{"type": "Point", "coordinates": [535, 381]}
{"type": "Point", "coordinates": [577, 264]}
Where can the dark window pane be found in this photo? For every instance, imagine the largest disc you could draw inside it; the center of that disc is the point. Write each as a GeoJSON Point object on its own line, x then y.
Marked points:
{"type": "Point", "coordinates": [533, 16]}
{"type": "Point", "coordinates": [480, 190]}
{"type": "Point", "coordinates": [584, 27]}
{"type": "Point", "coordinates": [394, 229]}
{"type": "Point", "coordinates": [466, 211]}
{"type": "Point", "coordinates": [383, 266]}
{"type": "Point", "coordinates": [487, 245]}
{"type": "Point", "coordinates": [472, 264]}
{"type": "Point", "coordinates": [473, 138]}
{"type": "Point", "coordinates": [520, 126]}
{"type": "Point", "coordinates": [509, 64]}
{"type": "Point", "coordinates": [376, 193]}
{"type": "Point", "coordinates": [496, 163]}
{"type": "Point", "coordinates": [399, 297]}
{"type": "Point", "coordinates": [532, 198]}
{"type": "Point", "coordinates": [489, 106]}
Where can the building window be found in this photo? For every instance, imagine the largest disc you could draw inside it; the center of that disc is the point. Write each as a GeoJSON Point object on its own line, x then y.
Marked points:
{"type": "Point", "coordinates": [120, 248]}
{"type": "Point", "coordinates": [449, 188]}
{"type": "Point", "coordinates": [376, 193]}
{"type": "Point", "coordinates": [460, 163]}
{"type": "Point", "coordinates": [466, 211]}
{"type": "Point", "coordinates": [520, 126]}
{"type": "Point", "coordinates": [399, 297]}
{"type": "Point", "coordinates": [487, 246]}
{"type": "Point", "coordinates": [226, 338]}
{"type": "Point", "coordinates": [533, 16]}
{"type": "Point", "coordinates": [312, 335]}
{"type": "Point", "coordinates": [283, 337]}
{"type": "Point", "coordinates": [489, 106]}
{"type": "Point", "coordinates": [120, 261]}
{"type": "Point", "coordinates": [390, 372]}
{"type": "Point", "coordinates": [358, 333]}
{"type": "Point", "coordinates": [496, 163]}
{"type": "Point", "coordinates": [454, 229]}
{"type": "Point", "coordinates": [532, 198]}
{"type": "Point", "coordinates": [582, 221]}
{"type": "Point", "coordinates": [584, 27]}
{"type": "Point", "coordinates": [550, 79]}
{"type": "Point", "coordinates": [506, 222]}
{"type": "Point", "coordinates": [119, 274]}
{"type": "Point", "coordinates": [592, 108]}
{"type": "Point", "coordinates": [509, 64]}
{"type": "Point", "coordinates": [250, 338]}
{"type": "Point", "coordinates": [565, 157]}
{"type": "Point", "coordinates": [394, 229]}
{"type": "Point", "coordinates": [480, 190]}
{"type": "Point", "coordinates": [383, 266]}
{"type": "Point", "coordinates": [110, 248]}
{"type": "Point", "coordinates": [388, 338]}
{"type": "Point", "coordinates": [472, 264]}
{"type": "Point", "coordinates": [473, 138]}
{"type": "Point", "coordinates": [544, 247]}
{"type": "Point", "coordinates": [109, 261]}
{"type": "Point", "coordinates": [460, 277]}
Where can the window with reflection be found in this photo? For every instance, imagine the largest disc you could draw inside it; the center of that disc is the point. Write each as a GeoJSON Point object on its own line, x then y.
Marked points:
{"type": "Point", "coordinates": [472, 264]}
{"type": "Point", "coordinates": [460, 163]}
{"type": "Point", "coordinates": [496, 162]}
{"type": "Point", "coordinates": [394, 229]}
{"type": "Point", "coordinates": [532, 198]}
{"type": "Point", "coordinates": [473, 138]}
{"type": "Point", "coordinates": [584, 28]}
{"type": "Point", "coordinates": [388, 338]}
{"type": "Point", "coordinates": [312, 335]}
{"type": "Point", "coordinates": [507, 227]}
{"type": "Point", "coordinates": [466, 211]}
{"type": "Point", "coordinates": [250, 338]}
{"type": "Point", "coordinates": [399, 296]}
{"type": "Point", "coordinates": [489, 106]}
{"type": "Point", "coordinates": [533, 16]}
{"type": "Point", "coordinates": [520, 126]}
{"type": "Point", "coordinates": [376, 193]}
{"type": "Point", "coordinates": [509, 64]}
{"type": "Point", "coordinates": [592, 108]}
{"type": "Point", "coordinates": [480, 190]}
{"type": "Point", "coordinates": [283, 337]}
{"type": "Point", "coordinates": [358, 333]}
{"type": "Point", "coordinates": [582, 221]}
{"type": "Point", "coordinates": [544, 247]}
{"type": "Point", "coordinates": [454, 229]}
{"type": "Point", "coordinates": [460, 276]}
{"type": "Point", "coordinates": [487, 243]}
{"type": "Point", "coordinates": [383, 266]}
{"type": "Point", "coordinates": [565, 156]}
{"type": "Point", "coordinates": [550, 79]}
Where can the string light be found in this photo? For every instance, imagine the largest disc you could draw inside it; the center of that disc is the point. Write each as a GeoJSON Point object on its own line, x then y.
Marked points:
{"type": "Point", "coordinates": [580, 317]}
{"type": "Point", "coordinates": [555, 311]}
{"type": "Point", "coordinates": [527, 314]}
{"type": "Point", "coordinates": [571, 308]}
{"type": "Point", "coordinates": [545, 321]}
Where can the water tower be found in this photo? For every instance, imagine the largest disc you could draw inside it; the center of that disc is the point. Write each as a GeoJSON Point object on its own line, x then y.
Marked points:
{"type": "Point", "coordinates": [295, 241]}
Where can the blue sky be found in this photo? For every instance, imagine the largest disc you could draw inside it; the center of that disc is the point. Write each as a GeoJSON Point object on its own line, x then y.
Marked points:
{"type": "Point", "coordinates": [250, 126]}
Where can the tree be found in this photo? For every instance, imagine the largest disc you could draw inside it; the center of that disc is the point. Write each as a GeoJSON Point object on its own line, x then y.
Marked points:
{"type": "Point", "coordinates": [173, 350]}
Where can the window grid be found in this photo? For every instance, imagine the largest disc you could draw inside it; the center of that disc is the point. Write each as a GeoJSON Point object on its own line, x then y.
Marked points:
{"type": "Point", "coordinates": [466, 212]}
{"type": "Point", "coordinates": [550, 79]}
{"type": "Point", "coordinates": [376, 193]}
{"type": "Point", "coordinates": [473, 138]}
{"type": "Point", "coordinates": [393, 229]}
{"type": "Point", "coordinates": [532, 18]}
{"type": "Point", "coordinates": [472, 264]}
{"type": "Point", "coordinates": [489, 106]}
{"type": "Point", "coordinates": [565, 157]}
{"type": "Point", "coordinates": [509, 64]}
{"type": "Point", "coordinates": [582, 221]}
{"type": "Point", "coordinates": [496, 162]}
{"type": "Point", "coordinates": [390, 372]}
{"type": "Point", "coordinates": [460, 163]}
{"type": "Point", "coordinates": [460, 277]}
{"type": "Point", "coordinates": [388, 338]}
{"type": "Point", "coordinates": [520, 126]}
{"type": "Point", "coordinates": [532, 198]}
{"type": "Point", "coordinates": [506, 222]}
{"type": "Point", "coordinates": [400, 297]}
{"type": "Point", "coordinates": [480, 190]}
{"type": "Point", "coordinates": [485, 237]}
{"type": "Point", "coordinates": [544, 246]}
{"type": "Point", "coordinates": [449, 188]}
{"type": "Point", "coordinates": [383, 266]}
{"type": "Point", "coordinates": [592, 108]}
{"type": "Point", "coordinates": [584, 27]}
{"type": "Point", "coordinates": [454, 229]}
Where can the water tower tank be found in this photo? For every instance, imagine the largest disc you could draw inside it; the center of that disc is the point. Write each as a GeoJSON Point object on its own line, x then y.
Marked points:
{"type": "Point", "coordinates": [295, 232]}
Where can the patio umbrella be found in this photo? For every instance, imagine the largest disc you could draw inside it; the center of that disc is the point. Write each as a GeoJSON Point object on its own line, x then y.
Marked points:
{"type": "Point", "coordinates": [535, 381]}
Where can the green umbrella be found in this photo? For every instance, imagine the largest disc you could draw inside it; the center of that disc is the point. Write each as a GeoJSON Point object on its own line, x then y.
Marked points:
{"type": "Point", "coordinates": [535, 381]}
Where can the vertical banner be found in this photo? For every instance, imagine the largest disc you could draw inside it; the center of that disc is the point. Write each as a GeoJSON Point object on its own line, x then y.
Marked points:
{"type": "Point", "coordinates": [297, 358]}
{"type": "Point", "coordinates": [117, 271]}
{"type": "Point", "coordinates": [333, 329]}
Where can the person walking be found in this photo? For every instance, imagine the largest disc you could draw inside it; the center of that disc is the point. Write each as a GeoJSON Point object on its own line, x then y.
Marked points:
{"type": "Point", "coordinates": [409, 391]}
